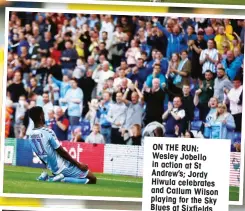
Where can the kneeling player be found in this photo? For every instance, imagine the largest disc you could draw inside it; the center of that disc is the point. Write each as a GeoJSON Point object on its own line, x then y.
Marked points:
{"type": "Point", "coordinates": [47, 147]}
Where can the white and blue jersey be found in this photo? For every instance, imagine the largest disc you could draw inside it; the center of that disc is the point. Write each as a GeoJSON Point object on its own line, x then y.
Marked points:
{"type": "Point", "coordinates": [44, 143]}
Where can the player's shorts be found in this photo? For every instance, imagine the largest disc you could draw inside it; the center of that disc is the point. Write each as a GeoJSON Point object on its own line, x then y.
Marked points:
{"type": "Point", "coordinates": [75, 172]}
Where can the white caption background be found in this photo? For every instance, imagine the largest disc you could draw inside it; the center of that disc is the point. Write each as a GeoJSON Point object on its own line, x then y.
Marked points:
{"type": "Point", "coordinates": [175, 184]}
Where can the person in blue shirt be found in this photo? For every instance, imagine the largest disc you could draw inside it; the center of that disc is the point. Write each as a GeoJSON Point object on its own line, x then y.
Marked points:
{"type": "Point", "coordinates": [175, 38]}
{"type": "Point", "coordinates": [68, 59]}
{"type": "Point", "coordinates": [189, 36]}
{"type": "Point", "coordinates": [22, 43]}
{"type": "Point", "coordinates": [47, 147]}
{"type": "Point", "coordinates": [209, 33]}
{"type": "Point", "coordinates": [102, 114]}
{"type": "Point", "coordinates": [74, 101]}
{"type": "Point", "coordinates": [231, 65]}
{"type": "Point", "coordinates": [63, 85]}
{"type": "Point", "coordinates": [156, 74]}
{"type": "Point", "coordinates": [139, 73]}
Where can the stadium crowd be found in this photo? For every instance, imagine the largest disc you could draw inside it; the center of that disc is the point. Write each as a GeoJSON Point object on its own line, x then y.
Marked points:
{"type": "Point", "coordinates": [108, 79]}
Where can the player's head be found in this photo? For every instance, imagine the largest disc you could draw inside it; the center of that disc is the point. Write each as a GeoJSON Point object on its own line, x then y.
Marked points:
{"type": "Point", "coordinates": [37, 115]}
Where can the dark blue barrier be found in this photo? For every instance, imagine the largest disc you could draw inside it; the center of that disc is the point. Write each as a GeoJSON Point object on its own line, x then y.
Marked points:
{"type": "Point", "coordinates": [25, 155]}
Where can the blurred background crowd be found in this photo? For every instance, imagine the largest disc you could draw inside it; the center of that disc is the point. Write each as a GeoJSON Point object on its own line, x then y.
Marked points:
{"type": "Point", "coordinates": [115, 79]}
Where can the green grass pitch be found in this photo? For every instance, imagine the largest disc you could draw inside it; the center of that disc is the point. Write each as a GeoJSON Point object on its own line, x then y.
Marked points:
{"type": "Point", "coordinates": [21, 180]}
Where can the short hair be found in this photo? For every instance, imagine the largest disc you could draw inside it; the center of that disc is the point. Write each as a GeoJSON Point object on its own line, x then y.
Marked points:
{"type": "Point", "coordinates": [70, 41]}
{"type": "Point", "coordinates": [35, 113]}
{"type": "Point", "coordinates": [74, 79]}
{"type": "Point", "coordinates": [184, 51]}
{"type": "Point", "coordinates": [209, 71]}
{"type": "Point", "coordinates": [159, 65]}
{"type": "Point", "coordinates": [31, 95]}
{"type": "Point", "coordinates": [103, 43]}
{"type": "Point", "coordinates": [221, 68]}
{"type": "Point", "coordinates": [45, 93]}
{"type": "Point", "coordinates": [96, 125]}
{"type": "Point", "coordinates": [238, 78]}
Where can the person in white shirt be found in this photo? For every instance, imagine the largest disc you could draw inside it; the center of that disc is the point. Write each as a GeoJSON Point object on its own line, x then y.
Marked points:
{"type": "Point", "coordinates": [209, 57]}
{"type": "Point", "coordinates": [234, 98]}
{"type": "Point", "coordinates": [100, 76]}
{"type": "Point", "coordinates": [117, 116]}
{"type": "Point", "coordinates": [107, 26]}
{"type": "Point", "coordinates": [118, 80]}
{"type": "Point", "coordinates": [47, 105]}
{"type": "Point", "coordinates": [95, 137]}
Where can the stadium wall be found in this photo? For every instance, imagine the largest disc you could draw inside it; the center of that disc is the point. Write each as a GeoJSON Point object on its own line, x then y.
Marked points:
{"type": "Point", "coordinates": [108, 159]}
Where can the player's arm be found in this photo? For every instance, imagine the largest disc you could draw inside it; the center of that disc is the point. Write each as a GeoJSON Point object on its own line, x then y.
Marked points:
{"type": "Point", "coordinates": [67, 156]}
{"type": "Point", "coordinates": [54, 142]}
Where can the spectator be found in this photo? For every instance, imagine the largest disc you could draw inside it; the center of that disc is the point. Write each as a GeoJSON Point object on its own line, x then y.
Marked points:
{"type": "Point", "coordinates": [133, 53]}
{"type": "Point", "coordinates": [181, 75]}
{"type": "Point", "coordinates": [133, 135]}
{"type": "Point", "coordinates": [20, 109]}
{"type": "Point", "coordinates": [95, 137]}
{"type": "Point", "coordinates": [231, 65]}
{"type": "Point", "coordinates": [117, 116]}
{"type": "Point", "coordinates": [222, 124]}
{"type": "Point", "coordinates": [74, 100]}
{"type": "Point", "coordinates": [221, 37]}
{"type": "Point", "coordinates": [102, 116]}
{"type": "Point", "coordinates": [51, 119]}
{"type": "Point", "coordinates": [87, 84]}
{"type": "Point", "coordinates": [209, 57]}
{"type": "Point", "coordinates": [135, 110]}
{"type": "Point", "coordinates": [101, 76]}
{"type": "Point", "coordinates": [196, 47]}
{"type": "Point", "coordinates": [47, 105]}
{"type": "Point", "coordinates": [61, 124]}
{"type": "Point", "coordinates": [156, 74]}
{"type": "Point", "coordinates": [234, 98]}
{"type": "Point", "coordinates": [175, 38]}
{"type": "Point", "coordinates": [121, 76]}
{"type": "Point", "coordinates": [53, 91]}
{"type": "Point", "coordinates": [64, 85]}
{"type": "Point", "coordinates": [204, 92]}
{"type": "Point", "coordinates": [68, 59]}
{"type": "Point", "coordinates": [221, 83]}
{"type": "Point", "coordinates": [174, 116]}
{"type": "Point", "coordinates": [16, 88]}
{"type": "Point", "coordinates": [139, 73]}
{"type": "Point", "coordinates": [46, 44]}
{"type": "Point", "coordinates": [154, 98]}
{"type": "Point", "coordinates": [34, 87]}
{"type": "Point", "coordinates": [188, 106]}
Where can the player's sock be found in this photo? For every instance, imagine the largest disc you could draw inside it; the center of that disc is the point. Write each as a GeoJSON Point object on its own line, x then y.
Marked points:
{"type": "Point", "coordinates": [43, 176]}
{"type": "Point", "coordinates": [75, 180]}
{"type": "Point", "coordinates": [56, 178]}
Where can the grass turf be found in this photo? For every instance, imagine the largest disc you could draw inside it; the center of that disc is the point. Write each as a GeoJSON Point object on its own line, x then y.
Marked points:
{"type": "Point", "coordinates": [22, 180]}
{"type": "Point", "coordinates": [225, 2]}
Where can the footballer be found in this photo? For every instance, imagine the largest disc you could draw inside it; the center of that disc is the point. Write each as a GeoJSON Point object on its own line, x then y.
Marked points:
{"type": "Point", "coordinates": [48, 148]}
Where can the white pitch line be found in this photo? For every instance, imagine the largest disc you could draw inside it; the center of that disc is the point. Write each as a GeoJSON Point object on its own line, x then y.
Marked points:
{"type": "Point", "coordinates": [97, 177]}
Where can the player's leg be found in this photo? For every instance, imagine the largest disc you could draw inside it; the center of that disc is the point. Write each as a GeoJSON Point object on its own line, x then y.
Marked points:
{"type": "Point", "coordinates": [92, 178]}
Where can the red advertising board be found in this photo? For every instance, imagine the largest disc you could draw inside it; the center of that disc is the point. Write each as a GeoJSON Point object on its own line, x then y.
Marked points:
{"type": "Point", "coordinates": [91, 154]}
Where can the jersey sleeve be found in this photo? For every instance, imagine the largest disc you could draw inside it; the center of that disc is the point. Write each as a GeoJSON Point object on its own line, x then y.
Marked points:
{"type": "Point", "coordinates": [53, 140]}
